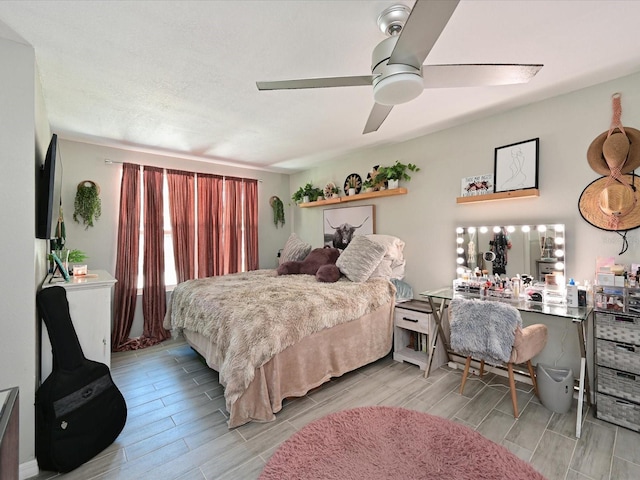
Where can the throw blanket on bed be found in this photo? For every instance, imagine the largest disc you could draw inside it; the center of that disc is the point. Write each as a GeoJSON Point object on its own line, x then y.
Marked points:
{"type": "Point", "coordinates": [254, 315]}
{"type": "Point", "coordinates": [483, 328]}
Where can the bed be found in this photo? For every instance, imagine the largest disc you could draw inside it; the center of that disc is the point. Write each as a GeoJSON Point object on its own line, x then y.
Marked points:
{"type": "Point", "coordinates": [271, 337]}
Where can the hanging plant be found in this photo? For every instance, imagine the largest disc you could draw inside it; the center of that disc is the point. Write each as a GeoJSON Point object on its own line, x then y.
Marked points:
{"type": "Point", "coordinates": [87, 203]}
{"type": "Point", "coordinates": [278, 210]}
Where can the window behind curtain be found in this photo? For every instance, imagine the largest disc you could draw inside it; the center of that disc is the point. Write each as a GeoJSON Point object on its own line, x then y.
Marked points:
{"type": "Point", "coordinates": [241, 217]}
{"type": "Point", "coordinates": [170, 277]}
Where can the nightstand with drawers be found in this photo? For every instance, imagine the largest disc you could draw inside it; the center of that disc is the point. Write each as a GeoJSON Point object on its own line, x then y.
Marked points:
{"type": "Point", "coordinates": [413, 330]}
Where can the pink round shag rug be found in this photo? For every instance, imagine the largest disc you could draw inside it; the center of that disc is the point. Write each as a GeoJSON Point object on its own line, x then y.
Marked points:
{"type": "Point", "coordinates": [374, 443]}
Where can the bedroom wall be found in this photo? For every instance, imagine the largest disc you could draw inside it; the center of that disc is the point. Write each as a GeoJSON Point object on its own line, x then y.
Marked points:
{"type": "Point", "coordinates": [426, 217]}
{"type": "Point", "coordinates": [22, 121]}
{"type": "Point", "coordinates": [84, 161]}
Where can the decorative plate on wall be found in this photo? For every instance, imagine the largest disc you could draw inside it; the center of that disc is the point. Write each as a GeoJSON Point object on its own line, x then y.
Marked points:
{"type": "Point", "coordinates": [328, 189]}
{"type": "Point", "coordinates": [355, 179]}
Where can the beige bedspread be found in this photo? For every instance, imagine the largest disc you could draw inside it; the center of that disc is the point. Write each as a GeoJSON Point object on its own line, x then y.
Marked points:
{"type": "Point", "coordinates": [252, 316]}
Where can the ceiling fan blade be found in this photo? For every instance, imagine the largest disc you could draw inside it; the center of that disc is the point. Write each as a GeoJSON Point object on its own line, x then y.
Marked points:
{"type": "Point", "coordinates": [328, 82]}
{"type": "Point", "coordinates": [376, 117]}
{"type": "Point", "coordinates": [423, 27]}
{"type": "Point", "coordinates": [477, 75]}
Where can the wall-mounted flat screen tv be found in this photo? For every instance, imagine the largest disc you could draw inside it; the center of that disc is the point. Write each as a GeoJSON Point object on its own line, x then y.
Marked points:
{"type": "Point", "coordinates": [48, 191]}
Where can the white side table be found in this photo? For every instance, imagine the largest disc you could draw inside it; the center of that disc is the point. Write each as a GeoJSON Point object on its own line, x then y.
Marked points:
{"type": "Point", "coordinates": [413, 329]}
{"type": "Point", "coordinates": [90, 308]}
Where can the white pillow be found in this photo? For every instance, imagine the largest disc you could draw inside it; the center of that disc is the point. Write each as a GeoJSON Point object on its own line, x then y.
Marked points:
{"type": "Point", "coordinates": [383, 269]}
{"type": "Point", "coordinates": [394, 248]}
{"type": "Point", "coordinates": [360, 258]}
{"type": "Point", "coordinates": [397, 270]}
{"type": "Point", "coordinates": [393, 245]}
{"type": "Point", "coordinates": [295, 250]}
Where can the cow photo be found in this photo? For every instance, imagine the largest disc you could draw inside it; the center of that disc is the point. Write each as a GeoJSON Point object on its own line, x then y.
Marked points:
{"type": "Point", "coordinates": [342, 224]}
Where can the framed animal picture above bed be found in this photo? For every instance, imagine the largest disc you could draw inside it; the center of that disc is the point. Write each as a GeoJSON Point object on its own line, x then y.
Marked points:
{"type": "Point", "coordinates": [340, 225]}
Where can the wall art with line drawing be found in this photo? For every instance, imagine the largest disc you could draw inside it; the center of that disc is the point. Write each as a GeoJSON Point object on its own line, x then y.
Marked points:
{"type": "Point", "coordinates": [516, 166]}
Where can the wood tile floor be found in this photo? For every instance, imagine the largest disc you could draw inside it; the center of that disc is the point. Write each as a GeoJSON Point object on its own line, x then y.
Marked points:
{"type": "Point", "coordinates": [176, 428]}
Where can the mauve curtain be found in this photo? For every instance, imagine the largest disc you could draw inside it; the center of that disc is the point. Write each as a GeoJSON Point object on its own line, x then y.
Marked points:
{"type": "Point", "coordinates": [181, 209]}
{"type": "Point", "coordinates": [210, 207]}
{"type": "Point", "coordinates": [126, 257]}
{"type": "Point", "coordinates": [232, 215]}
{"type": "Point", "coordinates": [251, 223]}
{"type": "Point", "coordinates": [154, 303]}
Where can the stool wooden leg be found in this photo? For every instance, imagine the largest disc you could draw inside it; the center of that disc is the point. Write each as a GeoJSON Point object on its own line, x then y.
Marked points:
{"type": "Point", "coordinates": [465, 373]}
{"type": "Point", "coordinates": [533, 378]}
{"type": "Point", "coordinates": [481, 368]}
{"type": "Point", "coordinates": [512, 387]}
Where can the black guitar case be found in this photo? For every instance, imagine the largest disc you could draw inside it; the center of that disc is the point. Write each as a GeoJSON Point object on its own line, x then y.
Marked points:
{"type": "Point", "coordinates": [79, 410]}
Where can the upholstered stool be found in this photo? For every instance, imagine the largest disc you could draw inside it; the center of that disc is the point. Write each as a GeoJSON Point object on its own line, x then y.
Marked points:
{"type": "Point", "coordinates": [484, 329]}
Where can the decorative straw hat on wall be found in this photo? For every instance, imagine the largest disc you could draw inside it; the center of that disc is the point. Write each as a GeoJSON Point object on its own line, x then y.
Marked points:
{"type": "Point", "coordinates": [611, 202]}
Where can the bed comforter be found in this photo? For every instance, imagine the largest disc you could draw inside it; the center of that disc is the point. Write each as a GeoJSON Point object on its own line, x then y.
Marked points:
{"type": "Point", "coordinates": [253, 316]}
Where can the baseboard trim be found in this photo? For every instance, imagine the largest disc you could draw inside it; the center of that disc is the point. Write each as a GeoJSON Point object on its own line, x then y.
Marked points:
{"type": "Point", "coordinates": [28, 469]}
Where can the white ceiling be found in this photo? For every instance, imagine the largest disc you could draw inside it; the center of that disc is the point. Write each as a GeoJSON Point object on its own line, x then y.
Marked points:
{"type": "Point", "coordinates": [178, 77]}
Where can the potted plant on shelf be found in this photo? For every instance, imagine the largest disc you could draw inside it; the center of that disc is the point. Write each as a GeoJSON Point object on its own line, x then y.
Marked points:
{"type": "Point", "coordinates": [352, 183]}
{"type": "Point", "coordinates": [367, 186]}
{"type": "Point", "coordinates": [396, 172]}
{"type": "Point", "coordinates": [87, 203]}
{"type": "Point", "coordinates": [335, 191]}
{"type": "Point", "coordinates": [306, 194]}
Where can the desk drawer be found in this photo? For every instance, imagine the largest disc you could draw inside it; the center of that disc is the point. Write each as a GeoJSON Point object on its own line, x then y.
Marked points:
{"type": "Point", "coordinates": [619, 328]}
{"type": "Point", "coordinates": [620, 356]}
{"type": "Point", "coordinates": [412, 320]}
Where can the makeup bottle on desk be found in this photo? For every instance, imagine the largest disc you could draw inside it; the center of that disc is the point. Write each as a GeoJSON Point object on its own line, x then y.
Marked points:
{"type": "Point", "coordinates": [572, 294]}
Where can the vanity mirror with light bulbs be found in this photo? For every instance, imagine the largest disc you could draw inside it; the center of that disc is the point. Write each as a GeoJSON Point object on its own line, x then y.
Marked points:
{"type": "Point", "coordinates": [508, 250]}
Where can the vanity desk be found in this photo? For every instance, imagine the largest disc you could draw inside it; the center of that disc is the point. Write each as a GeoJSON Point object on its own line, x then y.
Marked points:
{"type": "Point", "coordinates": [439, 300]}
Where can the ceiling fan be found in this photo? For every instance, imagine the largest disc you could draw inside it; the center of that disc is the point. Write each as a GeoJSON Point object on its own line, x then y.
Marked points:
{"type": "Point", "coordinates": [397, 71]}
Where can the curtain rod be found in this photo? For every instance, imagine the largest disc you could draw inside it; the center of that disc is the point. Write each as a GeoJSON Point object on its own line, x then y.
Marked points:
{"type": "Point", "coordinates": [115, 162]}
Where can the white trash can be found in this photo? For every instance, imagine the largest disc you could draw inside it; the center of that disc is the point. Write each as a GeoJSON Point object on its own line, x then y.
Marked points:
{"type": "Point", "coordinates": [555, 385]}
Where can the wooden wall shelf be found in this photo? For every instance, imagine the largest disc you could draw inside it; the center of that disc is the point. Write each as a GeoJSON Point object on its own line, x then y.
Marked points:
{"type": "Point", "coordinates": [354, 198]}
{"type": "Point", "coordinates": [527, 193]}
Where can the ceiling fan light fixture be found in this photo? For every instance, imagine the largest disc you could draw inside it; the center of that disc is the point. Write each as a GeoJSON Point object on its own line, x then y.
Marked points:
{"type": "Point", "coordinates": [398, 88]}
